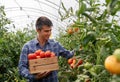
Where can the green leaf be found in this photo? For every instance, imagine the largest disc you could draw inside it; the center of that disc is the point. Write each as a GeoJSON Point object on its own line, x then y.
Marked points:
{"type": "Point", "coordinates": [107, 1]}
{"type": "Point", "coordinates": [96, 69]}
{"type": "Point", "coordinates": [71, 9]}
{"type": "Point", "coordinates": [90, 9]}
{"type": "Point", "coordinates": [113, 38]}
{"type": "Point", "coordinates": [102, 16]}
{"type": "Point", "coordinates": [90, 17]}
{"type": "Point", "coordinates": [108, 24]}
{"type": "Point", "coordinates": [114, 11]}
{"type": "Point", "coordinates": [113, 3]}
{"type": "Point", "coordinates": [82, 7]}
{"type": "Point", "coordinates": [91, 36]}
{"type": "Point", "coordinates": [113, 7]}
{"type": "Point", "coordinates": [64, 7]}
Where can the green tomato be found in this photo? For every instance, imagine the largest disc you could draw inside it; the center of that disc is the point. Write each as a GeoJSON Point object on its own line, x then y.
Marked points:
{"type": "Point", "coordinates": [87, 65]}
{"type": "Point", "coordinates": [117, 54]}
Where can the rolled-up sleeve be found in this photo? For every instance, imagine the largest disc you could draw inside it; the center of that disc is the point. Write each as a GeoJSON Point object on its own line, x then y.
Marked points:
{"type": "Point", "coordinates": [23, 64]}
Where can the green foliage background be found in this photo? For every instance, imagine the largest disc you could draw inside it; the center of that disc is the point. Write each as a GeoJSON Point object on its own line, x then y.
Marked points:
{"type": "Point", "coordinates": [10, 47]}
{"type": "Point", "coordinates": [97, 38]}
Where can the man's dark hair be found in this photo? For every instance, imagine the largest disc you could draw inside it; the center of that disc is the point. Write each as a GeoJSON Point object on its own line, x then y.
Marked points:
{"type": "Point", "coordinates": [41, 21]}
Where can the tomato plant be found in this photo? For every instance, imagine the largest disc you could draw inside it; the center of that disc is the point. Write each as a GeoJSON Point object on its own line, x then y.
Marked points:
{"type": "Point", "coordinates": [10, 46]}
{"type": "Point", "coordinates": [96, 39]}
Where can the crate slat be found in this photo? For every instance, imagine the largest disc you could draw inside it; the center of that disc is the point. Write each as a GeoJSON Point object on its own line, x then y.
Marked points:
{"type": "Point", "coordinates": [43, 64]}
{"type": "Point", "coordinates": [43, 68]}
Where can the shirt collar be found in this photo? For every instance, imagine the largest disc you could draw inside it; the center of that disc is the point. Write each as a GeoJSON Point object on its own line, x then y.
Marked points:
{"type": "Point", "coordinates": [37, 42]}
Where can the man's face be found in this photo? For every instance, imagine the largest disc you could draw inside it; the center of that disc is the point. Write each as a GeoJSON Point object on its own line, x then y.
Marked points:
{"type": "Point", "coordinates": [45, 32]}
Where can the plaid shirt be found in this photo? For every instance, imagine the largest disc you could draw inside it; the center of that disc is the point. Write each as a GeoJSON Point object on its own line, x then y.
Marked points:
{"type": "Point", "coordinates": [31, 47]}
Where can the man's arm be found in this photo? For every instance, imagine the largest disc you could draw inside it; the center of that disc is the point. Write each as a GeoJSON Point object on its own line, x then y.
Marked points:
{"type": "Point", "coordinates": [64, 52]}
{"type": "Point", "coordinates": [23, 64]}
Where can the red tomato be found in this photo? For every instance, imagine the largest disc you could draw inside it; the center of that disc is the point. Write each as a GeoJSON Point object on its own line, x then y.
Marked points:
{"type": "Point", "coordinates": [80, 61]}
{"type": "Point", "coordinates": [37, 57]}
{"type": "Point", "coordinates": [42, 54]}
{"type": "Point", "coordinates": [72, 65]}
{"type": "Point", "coordinates": [76, 29]}
{"type": "Point", "coordinates": [70, 61]}
{"type": "Point", "coordinates": [31, 56]}
{"type": "Point", "coordinates": [74, 61]}
{"type": "Point", "coordinates": [37, 52]}
{"type": "Point", "coordinates": [47, 53]}
{"type": "Point", "coordinates": [52, 54]}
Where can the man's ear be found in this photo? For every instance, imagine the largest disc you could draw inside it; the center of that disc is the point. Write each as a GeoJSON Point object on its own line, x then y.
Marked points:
{"type": "Point", "coordinates": [38, 30]}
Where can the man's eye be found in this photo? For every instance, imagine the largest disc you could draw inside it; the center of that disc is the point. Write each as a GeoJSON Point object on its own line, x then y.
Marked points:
{"type": "Point", "coordinates": [48, 31]}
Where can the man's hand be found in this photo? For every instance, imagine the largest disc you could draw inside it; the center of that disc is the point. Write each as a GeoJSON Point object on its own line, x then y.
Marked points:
{"type": "Point", "coordinates": [42, 74]}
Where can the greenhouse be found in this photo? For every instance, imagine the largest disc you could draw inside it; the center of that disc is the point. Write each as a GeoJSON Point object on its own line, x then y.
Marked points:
{"type": "Point", "coordinates": [78, 40]}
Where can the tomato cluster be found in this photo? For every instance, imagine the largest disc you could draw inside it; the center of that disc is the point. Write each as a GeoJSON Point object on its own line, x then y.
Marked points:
{"type": "Point", "coordinates": [73, 62]}
{"type": "Point", "coordinates": [72, 30]}
{"type": "Point", "coordinates": [41, 54]}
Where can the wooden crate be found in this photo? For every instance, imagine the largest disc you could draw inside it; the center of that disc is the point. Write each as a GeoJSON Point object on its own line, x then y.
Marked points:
{"type": "Point", "coordinates": [43, 64]}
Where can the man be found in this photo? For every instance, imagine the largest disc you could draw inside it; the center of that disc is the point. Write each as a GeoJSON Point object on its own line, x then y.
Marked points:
{"type": "Point", "coordinates": [43, 28]}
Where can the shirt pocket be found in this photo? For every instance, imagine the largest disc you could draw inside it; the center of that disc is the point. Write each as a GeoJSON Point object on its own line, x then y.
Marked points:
{"type": "Point", "coordinates": [31, 50]}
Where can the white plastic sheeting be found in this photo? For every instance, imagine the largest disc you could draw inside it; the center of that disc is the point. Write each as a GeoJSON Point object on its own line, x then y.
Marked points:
{"type": "Point", "coordinates": [23, 13]}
